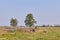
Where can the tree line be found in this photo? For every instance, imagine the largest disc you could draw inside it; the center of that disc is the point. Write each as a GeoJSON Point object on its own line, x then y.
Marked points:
{"type": "Point", "coordinates": [55, 25]}
{"type": "Point", "coordinates": [29, 22]}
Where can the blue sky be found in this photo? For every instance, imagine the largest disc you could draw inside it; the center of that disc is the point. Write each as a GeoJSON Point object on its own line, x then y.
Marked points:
{"type": "Point", "coordinates": [44, 11]}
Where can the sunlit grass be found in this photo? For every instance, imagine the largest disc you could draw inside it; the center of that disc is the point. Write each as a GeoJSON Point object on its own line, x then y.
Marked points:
{"type": "Point", "coordinates": [52, 33]}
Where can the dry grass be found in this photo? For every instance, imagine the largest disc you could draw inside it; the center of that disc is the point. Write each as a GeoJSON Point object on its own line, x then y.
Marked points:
{"type": "Point", "coordinates": [41, 33]}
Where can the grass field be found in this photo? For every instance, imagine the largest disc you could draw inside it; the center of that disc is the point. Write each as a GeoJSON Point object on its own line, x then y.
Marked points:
{"type": "Point", "coordinates": [42, 33]}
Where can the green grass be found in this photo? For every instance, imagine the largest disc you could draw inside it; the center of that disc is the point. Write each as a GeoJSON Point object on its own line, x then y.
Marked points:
{"type": "Point", "coordinates": [52, 33]}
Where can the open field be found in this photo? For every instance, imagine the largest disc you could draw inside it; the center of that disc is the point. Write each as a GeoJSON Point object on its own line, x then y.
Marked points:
{"type": "Point", "coordinates": [42, 33]}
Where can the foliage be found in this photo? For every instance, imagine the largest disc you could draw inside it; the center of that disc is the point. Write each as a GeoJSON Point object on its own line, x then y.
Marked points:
{"type": "Point", "coordinates": [13, 22]}
{"type": "Point", "coordinates": [29, 21]}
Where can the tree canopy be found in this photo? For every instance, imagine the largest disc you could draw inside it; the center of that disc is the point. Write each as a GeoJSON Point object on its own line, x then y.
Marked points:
{"type": "Point", "coordinates": [13, 22]}
{"type": "Point", "coordinates": [29, 21]}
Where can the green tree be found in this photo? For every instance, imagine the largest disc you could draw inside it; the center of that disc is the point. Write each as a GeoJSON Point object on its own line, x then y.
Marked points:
{"type": "Point", "coordinates": [29, 21]}
{"type": "Point", "coordinates": [13, 22]}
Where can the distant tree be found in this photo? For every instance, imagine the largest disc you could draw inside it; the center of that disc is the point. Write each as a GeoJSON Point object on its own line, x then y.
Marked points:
{"type": "Point", "coordinates": [13, 22]}
{"type": "Point", "coordinates": [56, 25]}
{"type": "Point", "coordinates": [29, 21]}
{"type": "Point", "coordinates": [43, 25]}
{"type": "Point", "coordinates": [51, 25]}
{"type": "Point", "coordinates": [47, 25]}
